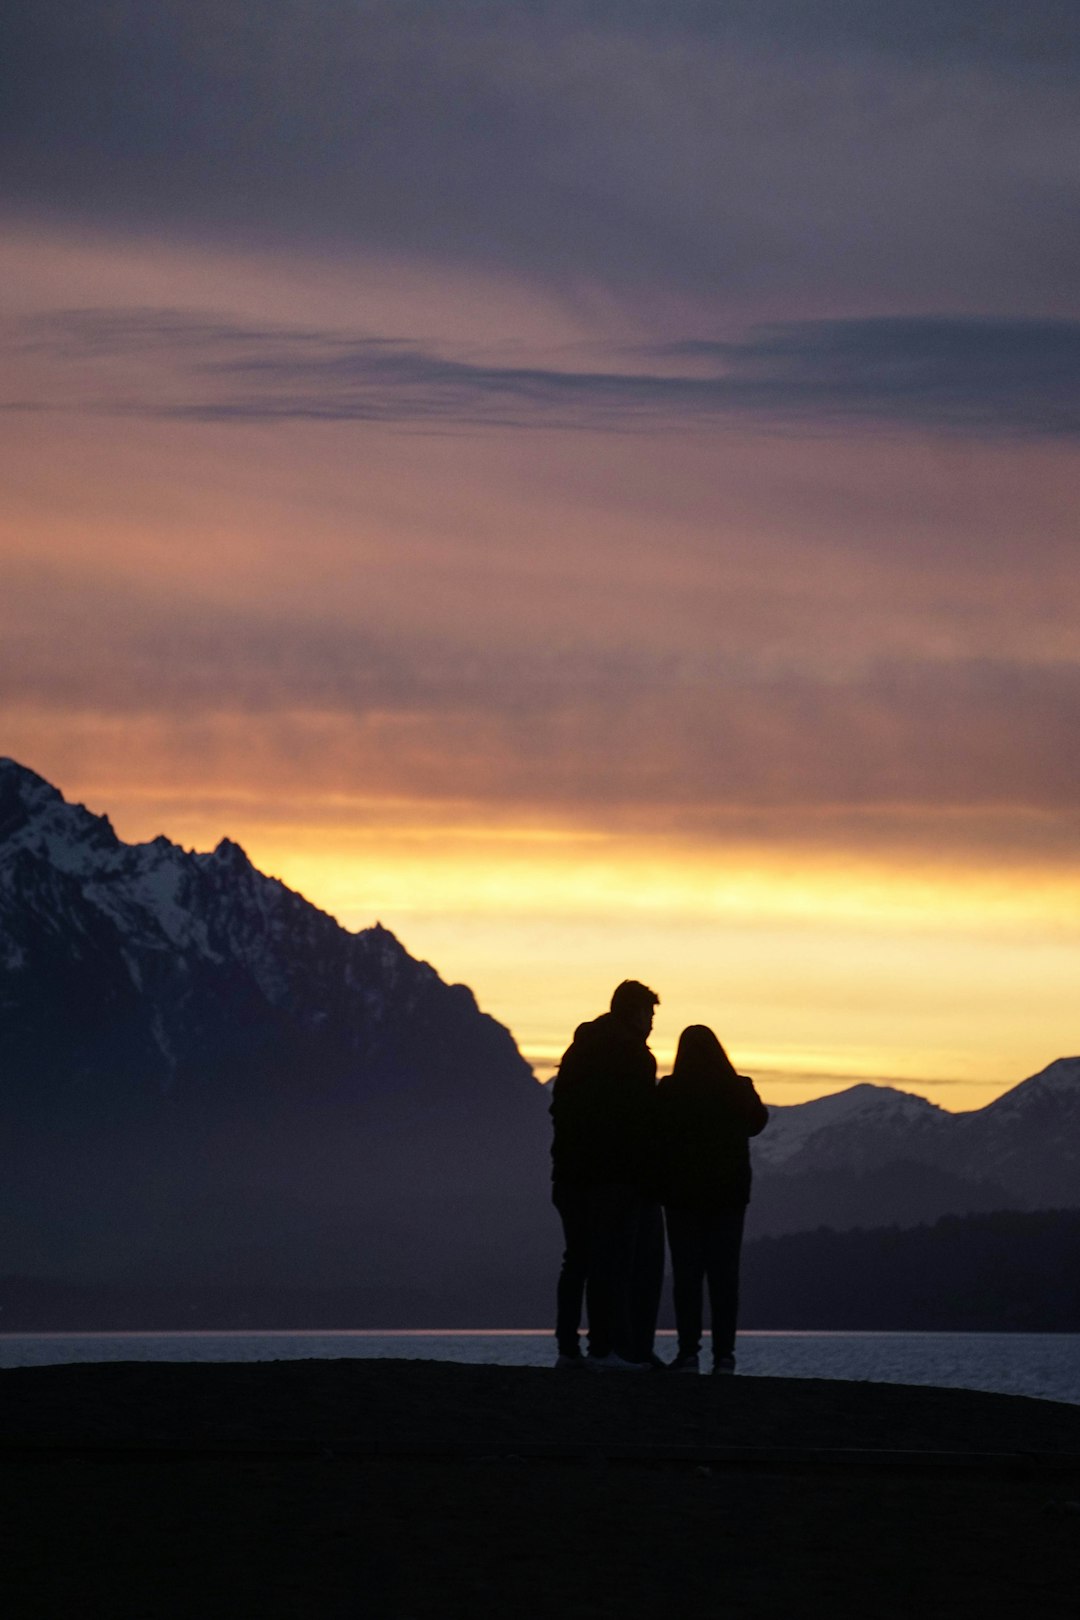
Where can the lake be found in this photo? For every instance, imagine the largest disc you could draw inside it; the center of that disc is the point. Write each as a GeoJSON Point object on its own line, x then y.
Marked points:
{"type": "Point", "coordinates": [1044, 1365]}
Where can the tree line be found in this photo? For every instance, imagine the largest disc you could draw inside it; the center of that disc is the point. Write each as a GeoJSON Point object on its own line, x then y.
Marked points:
{"type": "Point", "coordinates": [1008, 1270]}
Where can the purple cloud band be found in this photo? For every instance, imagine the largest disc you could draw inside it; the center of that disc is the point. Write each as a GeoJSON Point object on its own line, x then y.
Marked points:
{"type": "Point", "coordinates": [983, 376]}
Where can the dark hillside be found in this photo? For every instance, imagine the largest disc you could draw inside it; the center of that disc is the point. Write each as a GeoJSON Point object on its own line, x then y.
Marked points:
{"type": "Point", "coordinates": [1003, 1271]}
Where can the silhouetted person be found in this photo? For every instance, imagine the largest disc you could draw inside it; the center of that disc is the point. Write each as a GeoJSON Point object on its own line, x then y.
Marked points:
{"type": "Point", "coordinates": [605, 1185]}
{"type": "Point", "coordinates": [706, 1116]}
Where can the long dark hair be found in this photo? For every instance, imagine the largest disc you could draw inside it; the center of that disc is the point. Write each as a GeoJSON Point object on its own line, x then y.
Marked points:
{"type": "Point", "coordinates": [700, 1056]}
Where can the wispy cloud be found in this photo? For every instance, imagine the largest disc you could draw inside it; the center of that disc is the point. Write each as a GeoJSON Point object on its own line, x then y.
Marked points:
{"type": "Point", "coordinates": [561, 725]}
{"type": "Point", "coordinates": [978, 376]}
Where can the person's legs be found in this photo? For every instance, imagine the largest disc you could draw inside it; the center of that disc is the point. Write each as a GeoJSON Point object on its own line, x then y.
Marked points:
{"type": "Point", "coordinates": [686, 1242]}
{"type": "Point", "coordinates": [614, 1216]}
{"type": "Point", "coordinates": [648, 1279]}
{"type": "Point", "coordinates": [723, 1231]}
{"type": "Point", "coordinates": [573, 1206]}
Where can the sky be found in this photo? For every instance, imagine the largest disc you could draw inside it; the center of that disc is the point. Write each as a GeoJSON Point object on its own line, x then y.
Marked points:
{"type": "Point", "coordinates": [592, 486]}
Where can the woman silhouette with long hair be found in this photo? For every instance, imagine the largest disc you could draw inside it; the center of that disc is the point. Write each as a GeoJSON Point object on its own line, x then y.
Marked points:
{"type": "Point", "coordinates": [706, 1116]}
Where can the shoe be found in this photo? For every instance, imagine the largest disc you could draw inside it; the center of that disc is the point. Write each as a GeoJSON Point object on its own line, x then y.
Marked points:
{"type": "Point", "coordinates": [655, 1363]}
{"type": "Point", "coordinates": [570, 1363]}
{"type": "Point", "coordinates": [687, 1363]}
{"type": "Point", "coordinates": [723, 1364]}
{"type": "Point", "coordinates": [614, 1363]}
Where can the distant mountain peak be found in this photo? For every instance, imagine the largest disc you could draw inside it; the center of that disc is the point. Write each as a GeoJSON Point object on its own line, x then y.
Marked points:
{"type": "Point", "coordinates": [22, 793]}
{"type": "Point", "coordinates": [874, 1155]}
{"type": "Point", "coordinates": [13, 770]}
{"type": "Point", "coordinates": [862, 1107]}
{"type": "Point", "coordinates": [230, 854]}
{"type": "Point", "coordinates": [1064, 1071]}
{"type": "Point", "coordinates": [148, 965]}
{"type": "Point", "coordinates": [1057, 1088]}
{"type": "Point", "coordinates": [35, 816]}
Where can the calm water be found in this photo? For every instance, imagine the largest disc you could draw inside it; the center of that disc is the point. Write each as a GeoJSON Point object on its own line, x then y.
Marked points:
{"type": "Point", "coordinates": [1045, 1365]}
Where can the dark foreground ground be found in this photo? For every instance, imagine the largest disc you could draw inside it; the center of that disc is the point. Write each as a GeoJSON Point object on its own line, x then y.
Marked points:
{"type": "Point", "coordinates": [396, 1490]}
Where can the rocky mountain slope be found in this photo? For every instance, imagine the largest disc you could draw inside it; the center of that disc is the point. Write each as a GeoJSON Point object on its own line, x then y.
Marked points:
{"type": "Point", "coordinates": [149, 966]}
{"type": "Point", "coordinates": [200, 1068]}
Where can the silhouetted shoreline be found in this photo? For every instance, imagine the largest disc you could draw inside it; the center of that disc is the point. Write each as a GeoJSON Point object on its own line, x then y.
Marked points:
{"type": "Point", "coordinates": [419, 1489]}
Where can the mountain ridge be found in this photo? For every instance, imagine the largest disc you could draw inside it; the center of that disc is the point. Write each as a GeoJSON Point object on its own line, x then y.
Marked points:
{"type": "Point", "coordinates": [1023, 1147]}
{"type": "Point", "coordinates": [204, 1074]}
{"type": "Point", "coordinates": [167, 914]}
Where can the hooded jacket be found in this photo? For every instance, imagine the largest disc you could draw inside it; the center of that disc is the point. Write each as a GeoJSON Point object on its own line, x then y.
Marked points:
{"type": "Point", "coordinates": [603, 1108]}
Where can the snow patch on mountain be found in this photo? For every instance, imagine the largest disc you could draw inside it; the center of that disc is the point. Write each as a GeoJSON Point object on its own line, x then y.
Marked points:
{"type": "Point", "coordinates": [793, 1129]}
{"type": "Point", "coordinates": [35, 817]}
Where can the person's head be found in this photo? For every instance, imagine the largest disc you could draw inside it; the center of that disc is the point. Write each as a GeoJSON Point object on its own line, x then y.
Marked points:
{"type": "Point", "coordinates": [699, 1053]}
{"type": "Point", "coordinates": [632, 1004]}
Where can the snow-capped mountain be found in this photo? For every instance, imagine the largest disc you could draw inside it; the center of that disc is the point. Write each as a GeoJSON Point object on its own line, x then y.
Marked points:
{"type": "Point", "coordinates": [170, 967]}
{"type": "Point", "coordinates": [874, 1155]}
{"type": "Point", "coordinates": [180, 1033]}
{"type": "Point", "coordinates": [1029, 1139]}
{"type": "Point", "coordinates": [874, 1121]}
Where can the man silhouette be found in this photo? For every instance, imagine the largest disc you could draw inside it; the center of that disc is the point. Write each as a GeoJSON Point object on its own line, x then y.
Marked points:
{"type": "Point", "coordinates": [605, 1186]}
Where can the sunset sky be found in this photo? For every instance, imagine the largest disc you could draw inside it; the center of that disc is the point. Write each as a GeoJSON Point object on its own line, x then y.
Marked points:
{"type": "Point", "coordinates": [591, 485]}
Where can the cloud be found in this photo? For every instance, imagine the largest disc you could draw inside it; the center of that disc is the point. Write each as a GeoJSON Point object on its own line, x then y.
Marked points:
{"type": "Point", "coordinates": [968, 30]}
{"type": "Point", "coordinates": [824, 151]}
{"type": "Point", "coordinates": [975, 376]}
{"type": "Point", "coordinates": [570, 727]}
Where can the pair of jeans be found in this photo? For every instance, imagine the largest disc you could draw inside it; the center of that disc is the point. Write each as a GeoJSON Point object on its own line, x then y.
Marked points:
{"type": "Point", "coordinates": [614, 1259]}
{"type": "Point", "coordinates": [705, 1247]}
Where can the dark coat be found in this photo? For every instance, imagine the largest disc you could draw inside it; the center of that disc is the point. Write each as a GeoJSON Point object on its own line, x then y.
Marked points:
{"type": "Point", "coordinates": [704, 1123]}
{"type": "Point", "coordinates": [603, 1108]}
